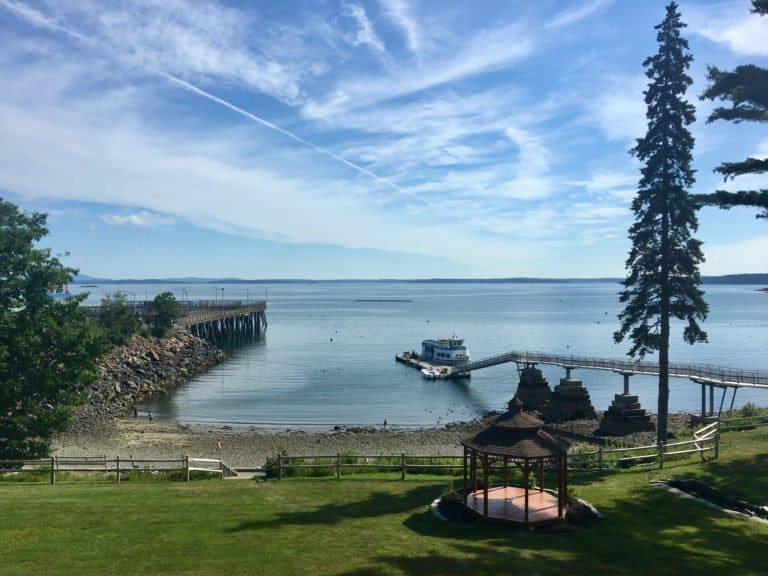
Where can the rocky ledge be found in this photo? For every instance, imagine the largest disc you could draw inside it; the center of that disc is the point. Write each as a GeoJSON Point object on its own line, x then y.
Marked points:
{"type": "Point", "coordinates": [140, 369]}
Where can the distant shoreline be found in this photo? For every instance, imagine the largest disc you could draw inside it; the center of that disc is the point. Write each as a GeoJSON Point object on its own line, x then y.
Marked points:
{"type": "Point", "coordinates": [89, 281]}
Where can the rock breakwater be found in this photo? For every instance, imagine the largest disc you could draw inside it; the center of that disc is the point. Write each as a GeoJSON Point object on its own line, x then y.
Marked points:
{"type": "Point", "coordinates": [140, 369]}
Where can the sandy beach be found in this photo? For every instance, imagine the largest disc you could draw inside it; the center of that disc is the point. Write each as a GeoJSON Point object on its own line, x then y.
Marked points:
{"type": "Point", "coordinates": [246, 447]}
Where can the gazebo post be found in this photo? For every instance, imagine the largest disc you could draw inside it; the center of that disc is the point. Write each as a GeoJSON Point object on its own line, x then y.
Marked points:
{"type": "Point", "coordinates": [465, 476]}
{"type": "Point", "coordinates": [541, 475]}
{"type": "Point", "coordinates": [474, 471]}
{"type": "Point", "coordinates": [506, 472]}
{"type": "Point", "coordinates": [525, 483]}
{"type": "Point", "coordinates": [565, 480]}
{"type": "Point", "coordinates": [560, 487]}
{"type": "Point", "coordinates": [485, 485]}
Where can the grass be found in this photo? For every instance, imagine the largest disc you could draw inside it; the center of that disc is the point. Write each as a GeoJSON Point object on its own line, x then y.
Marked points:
{"type": "Point", "coordinates": [366, 527]}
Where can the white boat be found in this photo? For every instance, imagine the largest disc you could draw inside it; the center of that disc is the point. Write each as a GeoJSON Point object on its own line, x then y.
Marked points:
{"type": "Point", "coordinates": [444, 352]}
{"type": "Point", "coordinates": [430, 373]}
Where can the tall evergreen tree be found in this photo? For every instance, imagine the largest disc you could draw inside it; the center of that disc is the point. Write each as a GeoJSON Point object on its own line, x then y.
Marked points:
{"type": "Point", "coordinates": [746, 88]}
{"type": "Point", "coordinates": [663, 277]}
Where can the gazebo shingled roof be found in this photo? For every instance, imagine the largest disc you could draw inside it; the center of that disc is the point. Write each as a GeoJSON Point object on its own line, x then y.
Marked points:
{"type": "Point", "coordinates": [516, 434]}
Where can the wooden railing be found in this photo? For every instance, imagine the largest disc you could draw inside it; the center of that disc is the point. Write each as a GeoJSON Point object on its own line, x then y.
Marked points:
{"type": "Point", "coordinates": [200, 314]}
{"type": "Point", "coordinates": [700, 372]}
{"type": "Point", "coordinates": [336, 463]}
{"type": "Point", "coordinates": [743, 423]}
{"type": "Point", "coordinates": [120, 467]}
{"type": "Point", "coordinates": [705, 441]}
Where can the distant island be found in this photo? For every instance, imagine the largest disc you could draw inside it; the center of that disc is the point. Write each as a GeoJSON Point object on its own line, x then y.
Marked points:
{"type": "Point", "coordinates": [83, 279]}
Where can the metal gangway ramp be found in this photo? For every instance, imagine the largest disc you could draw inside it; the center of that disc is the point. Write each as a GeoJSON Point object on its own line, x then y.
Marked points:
{"type": "Point", "coordinates": [700, 373]}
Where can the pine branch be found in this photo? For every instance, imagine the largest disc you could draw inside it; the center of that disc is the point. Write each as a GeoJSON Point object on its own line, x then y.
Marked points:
{"type": "Point", "coordinates": [749, 166]}
{"type": "Point", "coordinates": [726, 200]}
{"type": "Point", "coordinates": [746, 88]}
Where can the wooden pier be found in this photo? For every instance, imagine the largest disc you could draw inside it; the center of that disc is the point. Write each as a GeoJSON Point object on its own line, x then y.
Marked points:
{"type": "Point", "coordinates": [223, 318]}
{"type": "Point", "coordinates": [209, 319]}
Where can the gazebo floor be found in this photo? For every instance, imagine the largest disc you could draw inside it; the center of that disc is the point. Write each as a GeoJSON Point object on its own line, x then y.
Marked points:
{"type": "Point", "coordinates": [508, 504]}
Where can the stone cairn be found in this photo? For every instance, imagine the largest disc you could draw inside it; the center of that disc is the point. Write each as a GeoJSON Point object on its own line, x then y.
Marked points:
{"type": "Point", "coordinates": [533, 389]}
{"type": "Point", "coordinates": [570, 401]}
{"type": "Point", "coordinates": [625, 415]}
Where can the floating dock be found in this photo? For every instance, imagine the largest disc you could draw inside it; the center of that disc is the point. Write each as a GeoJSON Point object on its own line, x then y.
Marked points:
{"type": "Point", "coordinates": [442, 371]}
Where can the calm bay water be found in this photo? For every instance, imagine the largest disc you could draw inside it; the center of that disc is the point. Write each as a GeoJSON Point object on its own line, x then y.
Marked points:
{"type": "Point", "coordinates": [328, 355]}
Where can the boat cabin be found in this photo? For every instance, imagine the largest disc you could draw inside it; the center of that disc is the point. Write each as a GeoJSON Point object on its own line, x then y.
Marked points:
{"type": "Point", "coordinates": [447, 352]}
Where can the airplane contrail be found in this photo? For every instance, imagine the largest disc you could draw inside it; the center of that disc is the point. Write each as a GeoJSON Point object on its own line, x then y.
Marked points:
{"type": "Point", "coordinates": [41, 20]}
{"type": "Point", "coordinates": [272, 126]}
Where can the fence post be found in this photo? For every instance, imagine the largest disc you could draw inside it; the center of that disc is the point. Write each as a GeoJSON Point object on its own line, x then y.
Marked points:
{"type": "Point", "coordinates": [717, 442]}
{"type": "Point", "coordinates": [338, 465]}
{"type": "Point", "coordinates": [661, 454]}
{"type": "Point", "coordinates": [53, 470]}
{"type": "Point", "coordinates": [600, 458]}
{"type": "Point", "coordinates": [402, 464]}
{"type": "Point", "coordinates": [117, 467]}
{"type": "Point", "coordinates": [186, 466]}
{"type": "Point", "coordinates": [279, 466]}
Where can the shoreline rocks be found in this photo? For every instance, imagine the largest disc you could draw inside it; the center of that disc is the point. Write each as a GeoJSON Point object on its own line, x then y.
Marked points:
{"type": "Point", "coordinates": [139, 370]}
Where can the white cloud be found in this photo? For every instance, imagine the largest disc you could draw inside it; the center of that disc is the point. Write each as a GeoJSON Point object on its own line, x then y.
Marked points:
{"type": "Point", "coordinates": [180, 38]}
{"type": "Point", "coordinates": [364, 33]}
{"type": "Point", "coordinates": [619, 111]}
{"type": "Point", "coordinates": [142, 219]}
{"type": "Point", "coordinates": [574, 15]}
{"type": "Point", "coordinates": [732, 25]}
{"type": "Point", "coordinates": [604, 183]}
{"type": "Point", "coordinates": [485, 51]}
{"type": "Point", "coordinates": [86, 154]}
{"type": "Point", "coordinates": [400, 13]}
{"type": "Point", "coordinates": [605, 180]}
{"type": "Point", "coordinates": [736, 257]}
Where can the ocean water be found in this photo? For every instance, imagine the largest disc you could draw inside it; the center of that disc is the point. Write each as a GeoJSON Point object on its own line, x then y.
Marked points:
{"type": "Point", "coordinates": [328, 356]}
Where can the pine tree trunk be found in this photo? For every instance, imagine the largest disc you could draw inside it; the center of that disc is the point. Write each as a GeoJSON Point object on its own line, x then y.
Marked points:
{"type": "Point", "coordinates": [663, 409]}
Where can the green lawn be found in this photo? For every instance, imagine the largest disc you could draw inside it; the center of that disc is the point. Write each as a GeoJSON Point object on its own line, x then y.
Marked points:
{"type": "Point", "coordinates": [366, 527]}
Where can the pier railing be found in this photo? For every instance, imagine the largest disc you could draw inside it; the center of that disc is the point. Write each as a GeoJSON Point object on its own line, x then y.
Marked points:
{"type": "Point", "coordinates": [703, 373]}
{"type": "Point", "coordinates": [199, 312]}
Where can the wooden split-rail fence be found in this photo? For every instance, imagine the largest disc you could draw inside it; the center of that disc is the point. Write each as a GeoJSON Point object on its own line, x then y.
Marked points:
{"type": "Point", "coordinates": [705, 441]}
{"type": "Point", "coordinates": [120, 467]}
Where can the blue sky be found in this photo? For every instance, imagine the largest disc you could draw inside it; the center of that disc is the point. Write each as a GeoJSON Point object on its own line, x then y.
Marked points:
{"type": "Point", "coordinates": [355, 139]}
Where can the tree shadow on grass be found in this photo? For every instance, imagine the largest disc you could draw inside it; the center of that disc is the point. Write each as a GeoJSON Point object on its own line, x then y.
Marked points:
{"type": "Point", "coordinates": [744, 478]}
{"type": "Point", "coordinates": [375, 504]}
{"type": "Point", "coordinates": [652, 532]}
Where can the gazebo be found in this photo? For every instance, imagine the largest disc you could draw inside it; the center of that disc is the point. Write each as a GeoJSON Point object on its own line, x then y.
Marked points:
{"type": "Point", "coordinates": [518, 438]}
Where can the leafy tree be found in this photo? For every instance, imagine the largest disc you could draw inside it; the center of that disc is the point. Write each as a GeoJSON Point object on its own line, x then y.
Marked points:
{"type": "Point", "coordinates": [48, 348]}
{"type": "Point", "coordinates": [166, 312]}
{"type": "Point", "coordinates": [663, 277]}
{"type": "Point", "coordinates": [118, 319]}
{"type": "Point", "coordinates": [746, 88]}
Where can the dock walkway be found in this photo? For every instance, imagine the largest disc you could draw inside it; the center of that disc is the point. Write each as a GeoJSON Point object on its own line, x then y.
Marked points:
{"type": "Point", "coordinates": [700, 373]}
